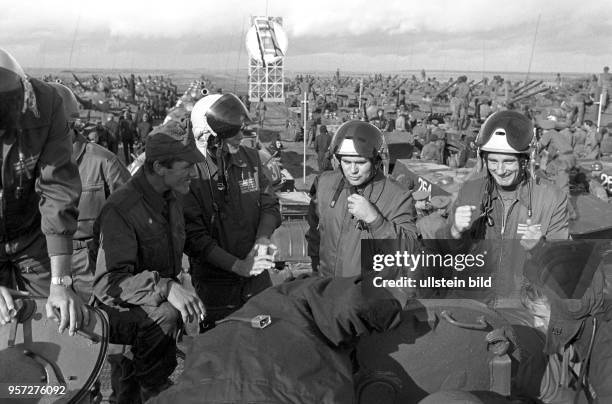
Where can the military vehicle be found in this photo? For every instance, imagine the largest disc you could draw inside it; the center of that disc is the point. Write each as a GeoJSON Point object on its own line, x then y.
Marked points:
{"type": "Point", "coordinates": [441, 344]}
{"type": "Point", "coordinates": [39, 365]}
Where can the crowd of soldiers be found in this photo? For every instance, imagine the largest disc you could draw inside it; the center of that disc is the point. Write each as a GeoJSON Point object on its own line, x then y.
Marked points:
{"type": "Point", "coordinates": [125, 109]}
{"type": "Point", "coordinates": [567, 99]}
{"type": "Point", "coordinates": [154, 93]}
{"type": "Point", "coordinates": [440, 120]}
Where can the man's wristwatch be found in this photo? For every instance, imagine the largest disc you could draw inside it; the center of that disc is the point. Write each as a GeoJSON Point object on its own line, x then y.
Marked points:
{"type": "Point", "coordinates": [65, 280]}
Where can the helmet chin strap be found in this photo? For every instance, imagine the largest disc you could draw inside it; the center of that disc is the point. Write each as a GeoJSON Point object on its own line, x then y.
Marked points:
{"type": "Point", "coordinates": [215, 149]}
{"type": "Point", "coordinates": [230, 148]}
{"type": "Point", "coordinates": [221, 181]}
{"type": "Point", "coordinates": [220, 148]}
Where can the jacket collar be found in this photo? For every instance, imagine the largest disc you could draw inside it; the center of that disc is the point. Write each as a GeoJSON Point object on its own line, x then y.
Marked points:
{"type": "Point", "coordinates": [153, 198]}
{"type": "Point", "coordinates": [236, 159]}
{"type": "Point", "coordinates": [522, 192]}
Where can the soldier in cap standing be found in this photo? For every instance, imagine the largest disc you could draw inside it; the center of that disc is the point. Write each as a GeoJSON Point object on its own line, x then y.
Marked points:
{"type": "Point", "coordinates": [322, 142]}
{"type": "Point", "coordinates": [431, 151]}
{"type": "Point", "coordinates": [113, 129]}
{"type": "Point", "coordinates": [39, 192]}
{"type": "Point", "coordinates": [461, 95]}
{"type": "Point", "coordinates": [142, 233]}
{"type": "Point", "coordinates": [128, 134]}
{"type": "Point", "coordinates": [230, 211]}
{"type": "Point", "coordinates": [380, 120]}
{"type": "Point", "coordinates": [354, 202]}
{"type": "Point", "coordinates": [421, 203]}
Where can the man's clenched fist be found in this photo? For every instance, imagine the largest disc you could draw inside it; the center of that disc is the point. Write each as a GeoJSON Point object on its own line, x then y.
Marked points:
{"type": "Point", "coordinates": [464, 216]}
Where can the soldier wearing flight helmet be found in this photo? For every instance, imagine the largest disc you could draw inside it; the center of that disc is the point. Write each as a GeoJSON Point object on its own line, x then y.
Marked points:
{"type": "Point", "coordinates": [230, 211]}
{"type": "Point", "coordinates": [505, 202]}
{"type": "Point", "coordinates": [354, 202]}
{"type": "Point", "coordinates": [39, 193]}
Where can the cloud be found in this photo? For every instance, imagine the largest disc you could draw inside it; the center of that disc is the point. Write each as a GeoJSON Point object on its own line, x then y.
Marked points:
{"type": "Point", "coordinates": [190, 31]}
{"type": "Point", "coordinates": [357, 17]}
{"type": "Point", "coordinates": [176, 18]}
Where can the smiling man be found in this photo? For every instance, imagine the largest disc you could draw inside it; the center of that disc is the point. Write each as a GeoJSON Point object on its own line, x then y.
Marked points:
{"type": "Point", "coordinates": [142, 234]}
{"type": "Point", "coordinates": [354, 202]}
{"type": "Point", "coordinates": [506, 203]}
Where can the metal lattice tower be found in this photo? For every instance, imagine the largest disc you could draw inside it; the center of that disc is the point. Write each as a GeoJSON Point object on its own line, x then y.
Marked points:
{"type": "Point", "coordinates": [267, 44]}
{"type": "Point", "coordinates": [266, 81]}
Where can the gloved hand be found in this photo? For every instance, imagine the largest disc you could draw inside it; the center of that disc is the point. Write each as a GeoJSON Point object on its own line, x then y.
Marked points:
{"type": "Point", "coordinates": [252, 265]}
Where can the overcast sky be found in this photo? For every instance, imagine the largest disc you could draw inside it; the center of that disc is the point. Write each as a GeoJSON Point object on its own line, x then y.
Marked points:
{"type": "Point", "coordinates": [355, 35]}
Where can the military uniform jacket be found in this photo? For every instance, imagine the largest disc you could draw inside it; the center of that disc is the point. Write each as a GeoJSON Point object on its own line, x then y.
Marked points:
{"type": "Point", "coordinates": [549, 209]}
{"type": "Point", "coordinates": [43, 190]}
{"type": "Point", "coordinates": [222, 225]}
{"type": "Point", "coordinates": [101, 174]}
{"type": "Point", "coordinates": [548, 203]}
{"type": "Point", "coordinates": [334, 236]}
{"type": "Point", "coordinates": [141, 235]}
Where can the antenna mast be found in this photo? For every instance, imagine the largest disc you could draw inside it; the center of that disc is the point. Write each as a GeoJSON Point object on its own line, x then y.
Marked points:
{"type": "Point", "coordinates": [533, 47]}
{"type": "Point", "coordinates": [76, 30]}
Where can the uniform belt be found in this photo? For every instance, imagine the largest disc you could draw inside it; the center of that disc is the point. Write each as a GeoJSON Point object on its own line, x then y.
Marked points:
{"type": "Point", "coordinates": [78, 244]}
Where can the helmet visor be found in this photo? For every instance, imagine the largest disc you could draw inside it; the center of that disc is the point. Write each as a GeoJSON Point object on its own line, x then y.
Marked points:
{"type": "Point", "coordinates": [227, 116]}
